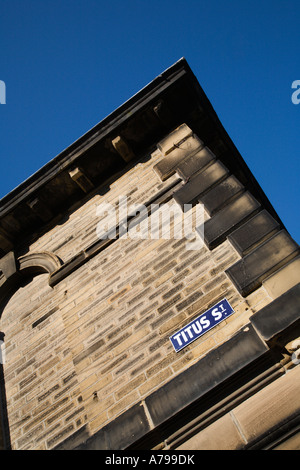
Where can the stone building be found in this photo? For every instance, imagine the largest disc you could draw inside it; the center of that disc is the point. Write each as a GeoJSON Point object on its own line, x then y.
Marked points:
{"type": "Point", "coordinates": [89, 323]}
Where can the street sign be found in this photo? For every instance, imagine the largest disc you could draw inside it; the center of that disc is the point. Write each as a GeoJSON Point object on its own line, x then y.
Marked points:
{"type": "Point", "coordinates": [198, 327]}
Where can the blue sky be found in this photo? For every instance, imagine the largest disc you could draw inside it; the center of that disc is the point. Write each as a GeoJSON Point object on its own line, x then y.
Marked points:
{"type": "Point", "coordinates": [67, 64]}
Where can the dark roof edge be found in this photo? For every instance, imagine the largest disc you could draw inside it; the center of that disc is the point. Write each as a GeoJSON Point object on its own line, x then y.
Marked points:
{"type": "Point", "coordinates": [111, 125]}
{"type": "Point", "coordinates": [108, 125]}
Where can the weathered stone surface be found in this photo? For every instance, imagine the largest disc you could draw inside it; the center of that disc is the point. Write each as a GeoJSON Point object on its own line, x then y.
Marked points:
{"type": "Point", "coordinates": [78, 176]}
{"type": "Point", "coordinates": [13, 271]}
{"type": "Point", "coordinates": [283, 279]}
{"type": "Point", "coordinates": [44, 317]}
{"type": "Point", "coordinates": [8, 265]}
{"type": "Point", "coordinates": [168, 165]}
{"type": "Point", "coordinates": [195, 163]}
{"type": "Point", "coordinates": [255, 231]}
{"type": "Point", "coordinates": [213, 369]}
{"type": "Point", "coordinates": [174, 138]}
{"type": "Point", "coordinates": [221, 194]}
{"type": "Point", "coordinates": [255, 422]}
{"type": "Point", "coordinates": [75, 440]}
{"type": "Point", "coordinates": [120, 433]}
{"type": "Point", "coordinates": [271, 407]}
{"type": "Point", "coordinates": [43, 262]}
{"type": "Point", "coordinates": [200, 183]}
{"type": "Point", "coordinates": [224, 222]}
{"type": "Point", "coordinates": [281, 314]}
{"type": "Point", "coordinates": [123, 148]}
{"type": "Point", "coordinates": [248, 273]}
{"type": "Point", "coordinates": [220, 435]}
{"type": "Point", "coordinates": [291, 443]}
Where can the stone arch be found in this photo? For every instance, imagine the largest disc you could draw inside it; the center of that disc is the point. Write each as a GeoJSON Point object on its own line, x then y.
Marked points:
{"type": "Point", "coordinates": [13, 270]}
{"type": "Point", "coordinates": [39, 263]}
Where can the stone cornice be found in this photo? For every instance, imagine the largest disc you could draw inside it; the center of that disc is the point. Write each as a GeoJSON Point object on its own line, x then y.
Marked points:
{"type": "Point", "coordinates": [119, 140]}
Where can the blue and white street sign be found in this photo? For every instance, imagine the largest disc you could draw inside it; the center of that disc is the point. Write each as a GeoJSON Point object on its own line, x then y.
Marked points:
{"type": "Point", "coordinates": [201, 325]}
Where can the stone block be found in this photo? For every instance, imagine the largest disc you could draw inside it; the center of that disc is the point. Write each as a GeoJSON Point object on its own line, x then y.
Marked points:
{"type": "Point", "coordinates": [78, 176]}
{"type": "Point", "coordinates": [120, 433]}
{"type": "Point", "coordinates": [174, 139]}
{"type": "Point", "coordinates": [123, 148]}
{"type": "Point", "coordinates": [213, 369]}
{"type": "Point", "coordinates": [291, 443]}
{"type": "Point", "coordinates": [75, 439]}
{"type": "Point", "coordinates": [271, 407]}
{"type": "Point", "coordinates": [255, 231]}
{"type": "Point", "coordinates": [231, 216]}
{"type": "Point", "coordinates": [276, 317]}
{"type": "Point", "coordinates": [248, 273]}
{"type": "Point", "coordinates": [221, 194]}
{"type": "Point", "coordinates": [200, 183]}
{"type": "Point", "coordinates": [195, 163]}
{"type": "Point", "coordinates": [220, 435]}
{"type": "Point", "coordinates": [168, 165]}
{"type": "Point", "coordinates": [284, 279]}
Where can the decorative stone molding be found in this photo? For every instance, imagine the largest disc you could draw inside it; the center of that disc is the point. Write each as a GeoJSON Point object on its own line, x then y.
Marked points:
{"type": "Point", "coordinates": [200, 183]}
{"type": "Point", "coordinates": [175, 139]}
{"type": "Point", "coordinates": [254, 232]}
{"type": "Point", "coordinates": [222, 194]}
{"type": "Point", "coordinates": [39, 263]}
{"type": "Point", "coordinates": [249, 272]}
{"type": "Point", "coordinates": [78, 176]}
{"type": "Point", "coordinates": [272, 326]}
{"type": "Point", "coordinates": [123, 149]}
{"type": "Point", "coordinates": [235, 214]}
{"type": "Point", "coordinates": [13, 270]}
{"type": "Point", "coordinates": [178, 145]}
{"type": "Point", "coordinates": [283, 279]}
{"type": "Point", "coordinates": [222, 223]}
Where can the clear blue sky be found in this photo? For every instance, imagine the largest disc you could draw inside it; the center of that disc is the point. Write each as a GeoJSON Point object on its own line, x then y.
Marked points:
{"type": "Point", "coordinates": [67, 64]}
